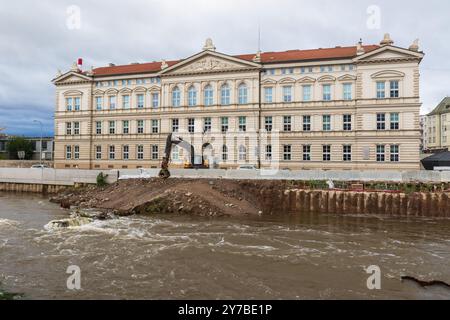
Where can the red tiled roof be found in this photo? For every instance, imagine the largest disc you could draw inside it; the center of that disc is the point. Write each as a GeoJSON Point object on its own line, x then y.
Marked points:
{"type": "Point", "coordinates": [266, 57]}
{"type": "Point", "coordinates": [132, 68]}
{"type": "Point", "coordinates": [308, 55]}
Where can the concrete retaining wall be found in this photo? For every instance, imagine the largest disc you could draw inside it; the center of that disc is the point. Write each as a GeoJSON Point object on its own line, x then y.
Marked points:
{"type": "Point", "coordinates": [70, 177]}
{"type": "Point", "coordinates": [343, 202]}
{"type": "Point", "coordinates": [32, 188]}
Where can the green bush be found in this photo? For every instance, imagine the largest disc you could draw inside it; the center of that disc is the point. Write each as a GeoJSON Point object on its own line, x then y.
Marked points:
{"type": "Point", "coordinates": [101, 179]}
{"type": "Point", "coordinates": [17, 144]}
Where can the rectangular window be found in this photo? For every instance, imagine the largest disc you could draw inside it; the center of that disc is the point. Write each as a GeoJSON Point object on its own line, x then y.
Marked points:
{"type": "Point", "coordinates": [287, 94]}
{"type": "Point", "coordinates": [326, 122]}
{"type": "Point", "coordinates": [155, 153]}
{"type": "Point", "coordinates": [77, 104]}
{"type": "Point", "coordinates": [306, 123]}
{"type": "Point", "coordinates": [395, 153]}
{"type": "Point", "coordinates": [98, 127]}
{"type": "Point", "coordinates": [155, 100]}
{"type": "Point", "coordinates": [381, 90]}
{"type": "Point", "coordinates": [287, 123]}
{"type": "Point", "coordinates": [99, 103]}
{"type": "Point", "coordinates": [395, 124]}
{"type": "Point", "coordinates": [68, 128]}
{"type": "Point", "coordinates": [242, 124]}
{"type": "Point", "coordinates": [98, 152]}
{"type": "Point", "coordinates": [126, 152]}
{"type": "Point", "coordinates": [76, 128]}
{"type": "Point", "coordinates": [269, 152]}
{"type": "Point", "coordinates": [112, 152]}
{"type": "Point", "coordinates": [76, 152]}
{"type": "Point", "coordinates": [268, 95]}
{"type": "Point", "coordinates": [380, 153]}
{"type": "Point", "coordinates": [306, 153]}
{"type": "Point", "coordinates": [69, 104]}
{"type": "Point", "coordinates": [347, 91]}
{"type": "Point", "coordinates": [307, 93]}
{"type": "Point", "coordinates": [140, 126]}
{"type": "Point", "coordinates": [268, 123]}
{"type": "Point", "coordinates": [112, 102]}
{"type": "Point", "coordinates": [287, 154]}
{"type": "Point", "coordinates": [155, 126]}
{"type": "Point", "coordinates": [326, 153]}
{"type": "Point", "coordinates": [347, 122]}
{"type": "Point", "coordinates": [224, 124]}
{"type": "Point", "coordinates": [381, 121]}
{"type": "Point", "coordinates": [112, 127]}
{"type": "Point", "coordinates": [347, 153]}
{"type": "Point", "coordinates": [394, 92]}
{"type": "Point", "coordinates": [140, 152]}
{"type": "Point", "coordinates": [68, 152]}
{"type": "Point", "coordinates": [126, 102]}
{"type": "Point", "coordinates": [207, 124]}
{"type": "Point", "coordinates": [175, 125]}
{"type": "Point", "coordinates": [224, 153]}
{"type": "Point", "coordinates": [140, 101]}
{"type": "Point", "coordinates": [191, 125]}
{"type": "Point", "coordinates": [125, 127]}
{"type": "Point", "coordinates": [326, 92]}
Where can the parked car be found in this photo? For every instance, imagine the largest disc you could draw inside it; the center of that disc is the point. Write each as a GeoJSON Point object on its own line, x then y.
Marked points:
{"type": "Point", "coordinates": [247, 167]}
{"type": "Point", "coordinates": [39, 166]}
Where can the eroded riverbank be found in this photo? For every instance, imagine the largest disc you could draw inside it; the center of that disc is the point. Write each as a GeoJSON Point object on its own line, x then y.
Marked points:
{"type": "Point", "coordinates": [222, 197]}
{"type": "Point", "coordinates": [306, 256]}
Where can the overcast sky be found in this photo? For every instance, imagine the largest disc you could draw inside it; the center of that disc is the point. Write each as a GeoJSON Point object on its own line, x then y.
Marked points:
{"type": "Point", "coordinates": [39, 37]}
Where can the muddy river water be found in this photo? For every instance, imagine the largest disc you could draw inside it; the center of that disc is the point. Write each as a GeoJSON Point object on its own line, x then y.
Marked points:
{"type": "Point", "coordinates": [173, 257]}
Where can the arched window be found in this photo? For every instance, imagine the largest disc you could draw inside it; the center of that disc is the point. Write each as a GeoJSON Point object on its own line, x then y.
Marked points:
{"type": "Point", "coordinates": [242, 92]}
{"type": "Point", "coordinates": [242, 153]}
{"type": "Point", "coordinates": [176, 97]}
{"type": "Point", "coordinates": [225, 95]}
{"type": "Point", "coordinates": [209, 94]}
{"type": "Point", "coordinates": [192, 96]}
{"type": "Point", "coordinates": [224, 153]}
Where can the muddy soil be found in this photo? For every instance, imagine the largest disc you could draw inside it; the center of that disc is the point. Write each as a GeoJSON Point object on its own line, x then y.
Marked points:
{"type": "Point", "coordinates": [204, 197]}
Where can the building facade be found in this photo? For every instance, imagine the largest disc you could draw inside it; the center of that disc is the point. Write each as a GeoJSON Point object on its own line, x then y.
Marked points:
{"type": "Point", "coordinates": [338, 108]}
{"type": "Point", "coordinates": [436, 133]}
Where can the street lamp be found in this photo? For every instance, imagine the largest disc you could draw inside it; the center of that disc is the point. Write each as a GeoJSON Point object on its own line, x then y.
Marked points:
{"type": "Point", "coordinates": [40, 148]}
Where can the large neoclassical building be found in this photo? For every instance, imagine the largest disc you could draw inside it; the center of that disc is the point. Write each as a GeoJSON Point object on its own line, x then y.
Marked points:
{"type": "Point", "coordinates": [337, 108]}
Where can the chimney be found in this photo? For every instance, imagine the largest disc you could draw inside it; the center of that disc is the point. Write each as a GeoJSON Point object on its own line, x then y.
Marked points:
{"type": "Point", "coordinates": [257, 57]}
{"type": "Point", "coordinates": [111, 65]}
{"type": "Point", "coordinates": [359, 48]}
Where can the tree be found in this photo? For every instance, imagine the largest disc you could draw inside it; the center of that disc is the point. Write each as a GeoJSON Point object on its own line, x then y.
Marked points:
{"type": "Point", "coordinates": [17, 144]}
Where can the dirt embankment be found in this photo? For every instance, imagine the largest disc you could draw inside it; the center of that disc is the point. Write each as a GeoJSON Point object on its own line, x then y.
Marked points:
{"type": "Point", "coordinates": [214, 197]}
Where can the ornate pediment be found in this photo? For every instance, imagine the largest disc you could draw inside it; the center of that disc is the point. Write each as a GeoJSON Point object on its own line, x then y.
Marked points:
{"type": "Point", "coordinates": [209, 62]}
{"type": "Point", "coordinates": [389, 54]}
{"type": "Point", "coordinates": [71, 78]}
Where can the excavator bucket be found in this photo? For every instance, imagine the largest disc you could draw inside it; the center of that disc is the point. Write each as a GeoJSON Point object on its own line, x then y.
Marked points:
{"type": "Point", "coordinates": [164, 174]}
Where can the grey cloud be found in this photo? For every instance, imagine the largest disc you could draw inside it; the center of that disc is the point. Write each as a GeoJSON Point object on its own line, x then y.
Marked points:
{"type": "Point", "coordinates": [35, 42]}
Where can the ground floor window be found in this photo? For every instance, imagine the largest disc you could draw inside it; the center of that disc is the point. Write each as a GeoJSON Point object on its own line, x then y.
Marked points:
{"type": "Point", "coordinates": [326, 153]}
{"type": "Point", "coordinates": [112, 152]}
{"type": "Point", "coordinates": [155, 152]}
{"type": "Point", "coordinates": [140, 152]}
{"type": "Point", "coordinates": [347, 153]}
{"type": "Point", "coordinates": [287, 152]}
{"type": "Point", "coordinates": [68, 152]}
{"type": "Point", "coordinates": [242, 153]}
{"type": "Point", "coordinates": [395, 153]}
{"type": "Point", "coordinates": [126, 153]}
{"type": "Point", "coordinates": [98, 152]}
{"type": "Point", "coordinates": [269, 152]}
{"type": "Point", "coordinates": [76, 152]}
{"type": "Point", "coordinates": [306, 153]}
{"type": "Point", "coordinates": [380, 153]}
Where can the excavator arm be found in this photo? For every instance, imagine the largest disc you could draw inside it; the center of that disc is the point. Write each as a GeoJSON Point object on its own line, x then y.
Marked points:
{"type": "Point", "coordinates": [170, 142]}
